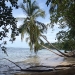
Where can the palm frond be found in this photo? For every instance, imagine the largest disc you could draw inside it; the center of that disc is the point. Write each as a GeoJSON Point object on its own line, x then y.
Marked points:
{"type": "Point", "coordinates": [34, 7]}
{"type": "Point", "coordinates": [31, 45]}
{"type": "Point", "coordinates": [39, 13]}
{"type": "Point", "coordinates": [23, 8]}
{"type": "Point", "coordinates": [27, 39]}
{"type": "Point", "coordinates": [41, 41]}
{"type": "Point", "coordinates": [23, 29]}
{"type": "Point", "coordinates": [42, 26]}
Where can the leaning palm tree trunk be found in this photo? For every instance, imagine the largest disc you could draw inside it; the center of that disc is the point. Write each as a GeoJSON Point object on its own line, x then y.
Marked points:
{"type": "Point", "coordinates": [55, 47]}
{"type": "Point", "coordinates": [51, 50]}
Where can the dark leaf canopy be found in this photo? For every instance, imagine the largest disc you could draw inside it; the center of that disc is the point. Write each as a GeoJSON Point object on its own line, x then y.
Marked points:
{"type": "Point", "coordinates": [7, 21]}
{"type": "Point", "coordinates": [63, 12]}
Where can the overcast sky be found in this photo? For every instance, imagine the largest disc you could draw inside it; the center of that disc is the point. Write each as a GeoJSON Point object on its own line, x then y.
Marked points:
{"type": "Point", "coordinates": [51, 33]}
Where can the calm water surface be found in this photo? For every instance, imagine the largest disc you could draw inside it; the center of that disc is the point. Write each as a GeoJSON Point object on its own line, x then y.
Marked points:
{"type": "Point", "coordinates": [24, 54]}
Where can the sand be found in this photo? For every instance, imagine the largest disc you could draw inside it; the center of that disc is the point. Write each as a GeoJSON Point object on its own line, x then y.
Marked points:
{"type": "Point", "coordinates": [68, 61]}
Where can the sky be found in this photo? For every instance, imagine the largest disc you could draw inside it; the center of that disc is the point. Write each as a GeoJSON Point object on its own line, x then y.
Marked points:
{"type": "Point", "coordinates": [51, 33]}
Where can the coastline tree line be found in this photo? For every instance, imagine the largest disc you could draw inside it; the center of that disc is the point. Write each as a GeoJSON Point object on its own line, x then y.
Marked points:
{"type": "Point", "coordinates": [62, 12]}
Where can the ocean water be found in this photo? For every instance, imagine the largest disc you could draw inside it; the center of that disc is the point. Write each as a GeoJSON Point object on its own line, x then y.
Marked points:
{"type": "Point", "coordinates": [25, 55]}
{"type": "Point", "coordinates": [26, 58]}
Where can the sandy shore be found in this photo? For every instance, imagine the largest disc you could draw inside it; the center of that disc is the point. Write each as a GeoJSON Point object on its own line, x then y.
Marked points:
{"type": "Point", "coordinates": [66, 71]}
{"type": "Point", "coordinates": [68, 61]}
{"type": "Point", "coordinates": [35, 62]}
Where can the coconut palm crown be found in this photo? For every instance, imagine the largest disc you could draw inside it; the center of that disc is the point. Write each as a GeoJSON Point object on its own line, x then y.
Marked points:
{"type": "Point", "coordinates": [30, 26]}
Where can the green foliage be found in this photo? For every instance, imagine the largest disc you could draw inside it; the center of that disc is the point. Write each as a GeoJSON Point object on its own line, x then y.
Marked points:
{"type": "Point", "coordinates": [67, 38]}
{"type": "Point", "coordinates": [56, 44]}
{"type": "Point", "coordinates": [68, 45]}
{"type": "Point", "coordinates": [7, 21]}
{"type": "Point", "coordinates": [63, 13]}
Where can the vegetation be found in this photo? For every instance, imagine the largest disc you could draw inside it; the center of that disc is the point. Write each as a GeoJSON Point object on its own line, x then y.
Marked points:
{"type": "Point", "coordinates": [31, 26]}
{"type": "Point", "coordinates": [66, 46]}
{"type": "Point", "coordinates": [7, 21]}
{"type": "Point", "coordinates": [54, 44]}
{"type": "Point", "coordinates": [62, 13]}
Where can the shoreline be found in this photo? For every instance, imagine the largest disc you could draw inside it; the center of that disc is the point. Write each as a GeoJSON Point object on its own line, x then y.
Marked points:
{"type": "Point", "coordinates": [67, 61]}
{"type": "Point", "coordinates": [65, 71]}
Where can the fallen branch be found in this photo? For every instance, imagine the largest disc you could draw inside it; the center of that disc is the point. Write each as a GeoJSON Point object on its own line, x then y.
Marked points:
{"type": "Point", "coordinates": [12, 62]}
{"type": "Point", "coordinates": [70, 71]}
{"type": "Point", "coordinates": [70, 65]}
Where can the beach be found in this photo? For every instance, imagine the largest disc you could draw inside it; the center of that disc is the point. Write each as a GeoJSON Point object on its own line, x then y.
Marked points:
{"type": "Point", "coordinates": [25, 59]}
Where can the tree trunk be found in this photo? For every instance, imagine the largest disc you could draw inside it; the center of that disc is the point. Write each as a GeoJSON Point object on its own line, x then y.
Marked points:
{"type": "Point", "coordinates": [51, 51]}
{"type": "Point", "coordinates": [55, 47]}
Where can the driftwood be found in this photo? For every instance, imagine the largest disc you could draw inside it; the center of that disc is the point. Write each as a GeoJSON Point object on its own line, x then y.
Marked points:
{"type": "Point", "coordinates": [71, 65]}
{"type": "Point", "coordinates": [70, 71]}
{"type": "Point", "coordinates": [12, 62]}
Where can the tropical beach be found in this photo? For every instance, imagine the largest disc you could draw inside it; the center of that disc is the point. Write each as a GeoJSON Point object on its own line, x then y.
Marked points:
{"type": "Point", "coordinates": [37, 37]}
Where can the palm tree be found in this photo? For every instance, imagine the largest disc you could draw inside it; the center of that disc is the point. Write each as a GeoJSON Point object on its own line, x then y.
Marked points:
{"type": "Point", "coordinates": [30, 26]}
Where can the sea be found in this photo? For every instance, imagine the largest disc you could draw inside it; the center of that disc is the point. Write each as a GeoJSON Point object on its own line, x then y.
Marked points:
{"type": "Point", "coordinates": [24, 57]}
